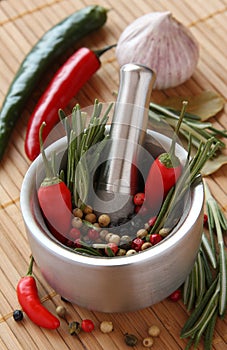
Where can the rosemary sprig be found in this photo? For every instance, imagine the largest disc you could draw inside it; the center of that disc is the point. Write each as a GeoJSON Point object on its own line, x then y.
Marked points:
{"type": "Point", "coordinates": [212, 275]}
{"type": "Point", "coordinates": [80, 162]}
{"type": "Point", "coordinates": [190, 173]}
{"type": "Point", "coordinates": [191, 126]}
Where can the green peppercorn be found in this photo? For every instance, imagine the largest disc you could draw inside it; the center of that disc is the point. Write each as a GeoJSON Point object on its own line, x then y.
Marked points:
{"type": "Point", "coordinates": [18, 315]}
{"type": "Point", "coordinates": [131, 339]}
{"type": "Point", "coordinates": [74, 328]}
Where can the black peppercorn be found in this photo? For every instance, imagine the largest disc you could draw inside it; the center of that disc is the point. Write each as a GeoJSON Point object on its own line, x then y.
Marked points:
{"type": "Point", "coordinates": [18, 315]}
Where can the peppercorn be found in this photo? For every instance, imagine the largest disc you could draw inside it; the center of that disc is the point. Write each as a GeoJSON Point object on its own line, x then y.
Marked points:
{"type": "Point", "coordinates": [164, 231]}
{"type": "Point", "coordinates": [91, 217]}
{"type": "Point", "coordinates": [104, 220]}
{"type": "Point", "coordinates": [74, 233]}
{"type": "Point", "coordinates": [154, 331]}
{"type": "Point", "coordinates": [74, 328]}
{"type": "Point", "coordinates": [146, 245]}
{"type": "Point", "coordinates": [93, 234]}
{"type": "Point", "coordinates": [106, 326]}
{"type": "Point", "coordinates": [137, 244]}
{"type": "Point", "coordinates": [155, 238]}
{"type": "Point", "coordinates": [61, 311]}
{"type": "Point", "coordinates": [148, 342]}
{"type": "Point", "coordinates": [78, 213]}
{"type": "Point", "coordinates": [87, 210]}
{"type": "Point", "coordinates": [176, 295]}
{"type": "Point", "coordinates": [138, 199]}
{"type": "Point", "coordinates": [131, 339]}
{"type": "Point", "coordinates": [103, 233]}
{"type": "Point", "coordinates": [108, 236]}
{"type": "Point", "coordinates": [141, 233]}
{"type": "Point", "coordinates": [125, 242]}
{"type": "Point", "coordinates": [114, 239]}
{"type": "Point", "coordinates": [121, 252]}
{"type": "Point", "coordinates": [77, 222]}
{"type": "Point", "coordinates": [97, 226]}
{"type": "Point", "coordinates": [87, 325]}
{"type": "Point", "coordinates": [131, 252]}
{"type": "Point", "coordinates": [18, 315]}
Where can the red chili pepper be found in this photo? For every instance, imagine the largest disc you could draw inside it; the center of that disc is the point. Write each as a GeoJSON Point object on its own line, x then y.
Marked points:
{"type": "Point", "coordinates": [163, 174]}
{"type": "Point", "coordinates": [55, 200]}
{"type": "Point", "coordinates": [65, 84]}
{"type": "Point", "coordinates": [28, 298]}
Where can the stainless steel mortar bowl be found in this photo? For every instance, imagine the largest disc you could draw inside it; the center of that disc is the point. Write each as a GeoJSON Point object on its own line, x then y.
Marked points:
{"type": "Point", "coordinates": [118, 284]}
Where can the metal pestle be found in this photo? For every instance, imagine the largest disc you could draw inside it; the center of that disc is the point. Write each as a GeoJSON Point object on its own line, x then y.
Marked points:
{"type": "Point", "coordinates": [118, 179]}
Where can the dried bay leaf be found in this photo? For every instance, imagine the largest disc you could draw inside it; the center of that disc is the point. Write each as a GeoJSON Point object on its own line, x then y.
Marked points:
{"type": "Point", "coordinates": [205, 105]}
{"type": "Point", "coordinates": [213, 165]}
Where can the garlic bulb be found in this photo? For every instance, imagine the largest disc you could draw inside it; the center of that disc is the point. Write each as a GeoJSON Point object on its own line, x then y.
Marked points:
{"type": "Point", "coordinates": [161, 43]}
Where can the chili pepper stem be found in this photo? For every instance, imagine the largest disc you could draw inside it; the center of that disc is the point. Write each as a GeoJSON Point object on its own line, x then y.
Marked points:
{"type": "Point", "coordinates": [45, 161]}
{"type": "Point", "coordinates": [173, 144]}
{"type": "Point", "coordinates": [99, 53]}
{"type": "Point", "coordinates": [30, 267]}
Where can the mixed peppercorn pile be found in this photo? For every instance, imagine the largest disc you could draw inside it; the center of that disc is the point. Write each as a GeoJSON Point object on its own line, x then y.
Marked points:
{"type": "Point", "coordinates": [96, 235]}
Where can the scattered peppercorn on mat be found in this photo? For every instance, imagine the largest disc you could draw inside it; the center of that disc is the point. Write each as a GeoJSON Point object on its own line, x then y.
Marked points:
{"type": "Point", "coordinates": [22, 24]}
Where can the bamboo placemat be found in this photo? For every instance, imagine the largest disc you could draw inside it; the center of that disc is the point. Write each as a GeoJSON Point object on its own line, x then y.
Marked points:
{"type": "Point", "coordinates": [22, 23]}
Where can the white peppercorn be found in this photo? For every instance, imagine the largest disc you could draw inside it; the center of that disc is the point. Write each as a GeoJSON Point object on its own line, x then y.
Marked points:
{"type": "Point", "coordinates": [114, 239]}
{"type": "Point", "coordinates": [154, 331]}
{"type": "Point", "coordinates": [141, 233]}
{"type": "Point", "coordinates": [148, 342]}
{"type": "Point", "coordinates": [106, 326]}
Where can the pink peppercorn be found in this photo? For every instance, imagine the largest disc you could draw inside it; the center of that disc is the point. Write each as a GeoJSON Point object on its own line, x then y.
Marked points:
{"type": "Point", "coordinates": [93, 234]}
{"type": "Point", "coordinates": [155, 238]}
{"type": "Point", "coordinates": [137, 244]}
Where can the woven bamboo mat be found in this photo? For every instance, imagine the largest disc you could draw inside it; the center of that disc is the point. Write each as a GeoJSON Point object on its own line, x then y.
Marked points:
{"type": "Point", "coordinates": [22, 23]}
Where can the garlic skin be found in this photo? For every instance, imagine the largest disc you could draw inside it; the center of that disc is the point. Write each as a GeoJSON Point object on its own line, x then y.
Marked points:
{"type": "Point", "coordinates": [161, 43]}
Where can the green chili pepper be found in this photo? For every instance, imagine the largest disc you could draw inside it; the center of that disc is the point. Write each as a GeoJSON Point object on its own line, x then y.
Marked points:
{"type": "Point", "coordinates": [53, 43]}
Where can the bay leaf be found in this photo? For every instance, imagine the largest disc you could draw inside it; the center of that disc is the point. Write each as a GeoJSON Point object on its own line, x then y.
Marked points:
{"type": "Point", "coordinates": [213, 165]}
{"type": "Point", "coordinates": [205, 105]}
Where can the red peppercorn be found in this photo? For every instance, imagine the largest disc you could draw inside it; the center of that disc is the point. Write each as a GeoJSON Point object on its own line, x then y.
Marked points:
{"type": "Point", "coordinates": [155, 238]}
{"type": "Point", "coordinates": [87, 325]}
{"type": "Point", "coordinates": [93, 234]}
{"type": "Point", "coordinates": [205, 219]}
{"type": "Point", "coordinates": [139, 198]}
{"type": "Point", "coordinates": [77, 243]}
{"type": "Point", "coordinates": [74, 233]}
{"type": "Point", "coordinates": [176, 295]}
{"type": "Point", "coordinates": [137, 244]}
{"type": "Point", "coordinates": [152, 221]}
{"type": "Point", "coordinates": [113, 247]}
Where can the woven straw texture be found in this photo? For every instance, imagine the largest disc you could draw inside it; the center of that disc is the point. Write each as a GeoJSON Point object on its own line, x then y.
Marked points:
{"type": "Point", "coordinates": [22, 23]}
